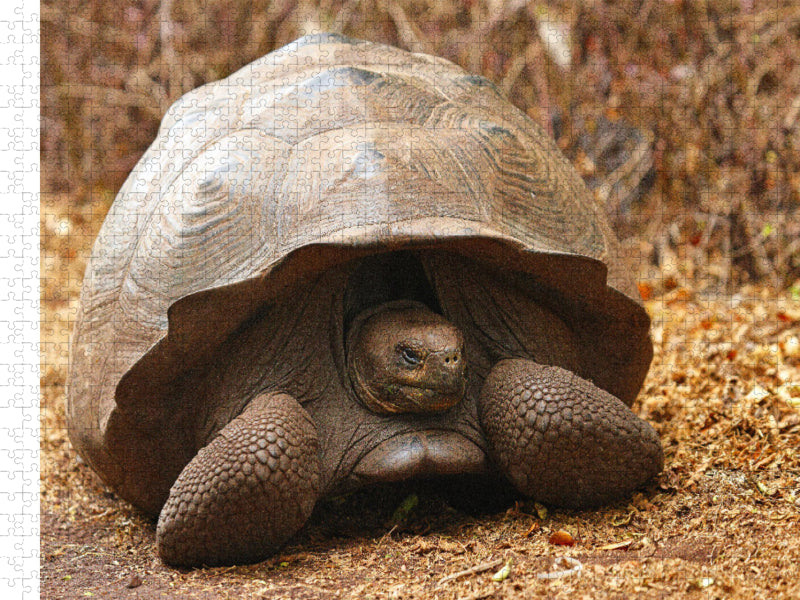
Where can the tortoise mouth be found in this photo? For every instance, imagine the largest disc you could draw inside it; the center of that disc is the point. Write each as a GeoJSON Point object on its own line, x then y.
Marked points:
{"type": "Point", "coordinates": [430, 398]}
{"type": "Point", "coordinates": [417, 454]}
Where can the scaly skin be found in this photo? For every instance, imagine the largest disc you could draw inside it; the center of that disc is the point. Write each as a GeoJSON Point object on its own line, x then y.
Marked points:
{"type": "Point", "coordinates": [247, 491]}
{"type": "Point", "coordinates": [562, 440]}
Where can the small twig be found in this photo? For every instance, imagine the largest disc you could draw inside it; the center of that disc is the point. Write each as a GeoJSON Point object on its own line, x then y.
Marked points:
{"type": "Point", "coordinates": [385, 535]}
{"type": "Point", "coordinates": [644, 12]}
{"type": "Point", "coordinates": [630, 173]}
{"type": "Point", "coordinates": [170, 71]}
{"type": "Point", "coordinates": [409, 33]}
{"type": "Point", "coordinates": [471, 571]}
{"type": "Point", "coordinates": [791, 116]}
{"type": "Point", "coordinates": [513, 72]}
{"type": "Point", "coordinates": [102, 514]}
{"type": "Point", "coordinates": [507, 12]}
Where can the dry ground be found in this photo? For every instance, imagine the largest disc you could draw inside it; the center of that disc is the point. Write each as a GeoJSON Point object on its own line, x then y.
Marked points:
{"type": "Point", "coordinates": [710, 94]}
{"type": "Point", "coordinates": [723, 521]}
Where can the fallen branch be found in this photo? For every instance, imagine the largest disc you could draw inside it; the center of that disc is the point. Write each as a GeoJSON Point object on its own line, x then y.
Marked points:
{"type": "Point", "coordinates": [471, 571]}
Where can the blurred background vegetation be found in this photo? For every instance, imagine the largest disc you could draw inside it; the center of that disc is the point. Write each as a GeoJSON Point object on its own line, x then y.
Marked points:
{"type": "Point", "coordinates": [682, 116]}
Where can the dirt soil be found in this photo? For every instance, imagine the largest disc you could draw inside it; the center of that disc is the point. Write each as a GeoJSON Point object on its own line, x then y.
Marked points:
{"type": "Point", "coordinates": [684, 117]}
{"type": "Point", "coordinates": [722, 521]}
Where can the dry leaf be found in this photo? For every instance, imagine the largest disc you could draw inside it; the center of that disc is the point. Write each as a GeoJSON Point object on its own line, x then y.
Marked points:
{"type": "Point", "coordinates": [616, 545]}
{"type": "Point", "coordinates": [561, 538]}
{"type": "Point", "coordinates": [503, 573]}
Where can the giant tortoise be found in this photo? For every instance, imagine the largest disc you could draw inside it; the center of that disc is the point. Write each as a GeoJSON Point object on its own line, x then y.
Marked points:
{"type": "Point", "coordinates": [348, 264]}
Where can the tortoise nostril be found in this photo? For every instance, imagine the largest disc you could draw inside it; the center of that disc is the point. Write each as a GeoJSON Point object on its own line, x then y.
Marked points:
{"type": "Point", "coordinates": [451, 357]}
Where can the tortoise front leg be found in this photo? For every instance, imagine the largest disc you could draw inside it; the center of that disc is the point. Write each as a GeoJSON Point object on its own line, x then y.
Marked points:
{"type": "Point", "coordinates": [562, 440]}
{"type": "Point", "coordinates": [247, 491]}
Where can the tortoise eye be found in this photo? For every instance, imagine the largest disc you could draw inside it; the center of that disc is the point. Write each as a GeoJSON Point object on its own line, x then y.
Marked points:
{"type": "Point", "coordinates": [410, 356]}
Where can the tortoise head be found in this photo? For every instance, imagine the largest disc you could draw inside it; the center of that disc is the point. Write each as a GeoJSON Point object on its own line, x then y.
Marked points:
{"type": "Point", "coordinates": [404, 358]}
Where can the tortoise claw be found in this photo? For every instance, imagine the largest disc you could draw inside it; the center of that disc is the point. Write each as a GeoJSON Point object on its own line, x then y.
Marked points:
{"type": "Point", "coordinates": [562, 440]}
